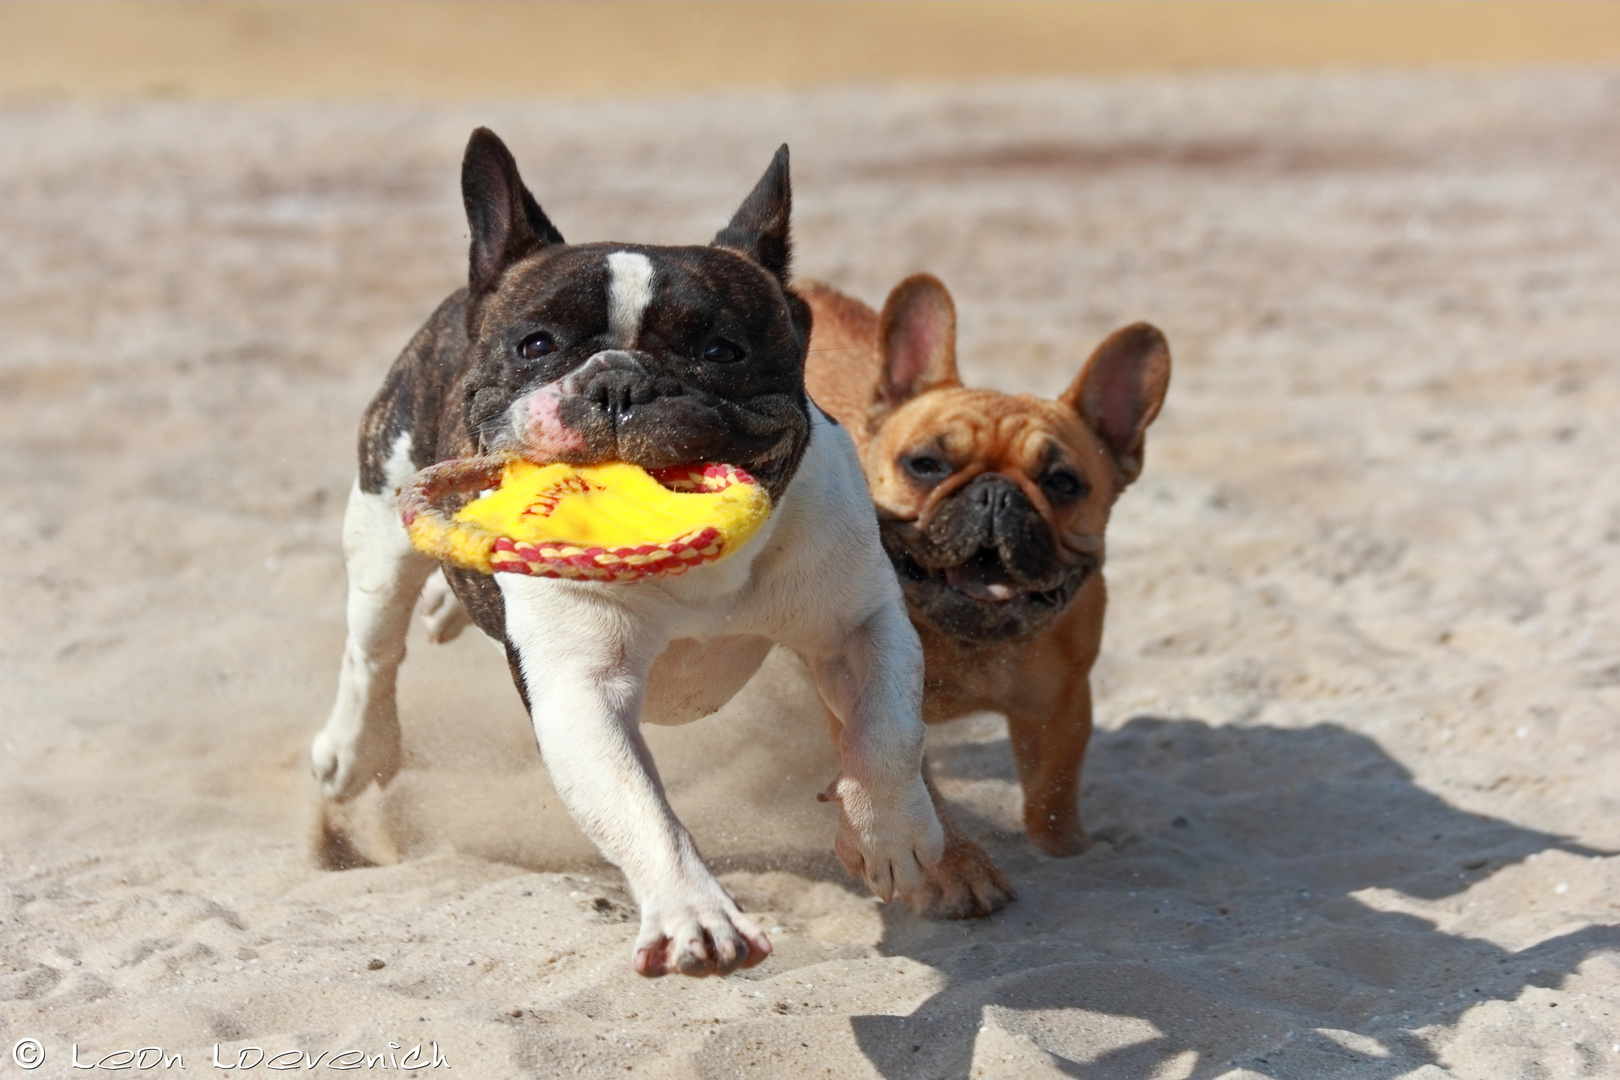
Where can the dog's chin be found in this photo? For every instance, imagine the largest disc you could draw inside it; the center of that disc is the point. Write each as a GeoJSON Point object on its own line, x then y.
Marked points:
{"type": "Point", "coordinates": [978, 600]}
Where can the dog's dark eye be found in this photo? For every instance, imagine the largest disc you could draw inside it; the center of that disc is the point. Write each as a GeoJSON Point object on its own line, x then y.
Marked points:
{"type": "Point", "coordinates": [1061, 485]}
{"type": "Point", "coordinates": [536, 346]}
{"type": "Point", "coordinates": [721, 351]}
{"type": "Point", "coordinates": [926, 467]}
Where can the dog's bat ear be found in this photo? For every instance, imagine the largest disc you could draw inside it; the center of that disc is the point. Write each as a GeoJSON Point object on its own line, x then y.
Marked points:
{"type": "Point", "coordinates": [759, 228]}
{"type": "Point", "coordinates": [505, 220]}
{"type": "Point", "coordinates": [1120, 390]}
{"type": "Point", "coordinates": [917, 333]}
{"type": "Point", "coordinates": [539, 224]}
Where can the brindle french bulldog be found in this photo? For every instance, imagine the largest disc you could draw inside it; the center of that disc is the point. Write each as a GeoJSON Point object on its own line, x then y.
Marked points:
{"type": "Point", "coordinates": [655, 356]}
{"type": "Point", "coordinates": [992, 509]}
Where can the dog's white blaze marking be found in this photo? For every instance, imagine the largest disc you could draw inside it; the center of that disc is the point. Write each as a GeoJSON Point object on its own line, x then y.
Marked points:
{"type": "Point", "coordinates": [629, 293]}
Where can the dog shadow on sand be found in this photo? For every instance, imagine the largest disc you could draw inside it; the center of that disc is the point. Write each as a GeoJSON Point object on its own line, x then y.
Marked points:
{"type": "Point", "coordinates": [1217, 921]}
{"type": "Point", "coordinates": [1243, 902]}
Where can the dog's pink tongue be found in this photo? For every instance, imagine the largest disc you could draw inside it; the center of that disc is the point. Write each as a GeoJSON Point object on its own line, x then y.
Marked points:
{"type": "Point", "coordinates": [982, 581]}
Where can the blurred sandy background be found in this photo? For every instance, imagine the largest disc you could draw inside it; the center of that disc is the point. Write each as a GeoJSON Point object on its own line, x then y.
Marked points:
{"type": "Point", "coordinates": [1354, 779]}
{"type": "Point", "coordinates": [435, 50]}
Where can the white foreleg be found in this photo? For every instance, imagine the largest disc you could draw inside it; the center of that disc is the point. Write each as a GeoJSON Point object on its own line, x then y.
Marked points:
{"type": "Point", "coordinates": [584, 661]}
{"type": "Point", "coordinates": [360, 742]}
{"type": "Point", "coordinates": [888, 832]}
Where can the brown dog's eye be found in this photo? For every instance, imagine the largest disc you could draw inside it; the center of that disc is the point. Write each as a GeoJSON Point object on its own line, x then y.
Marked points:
{"type": "Point", "coordinates": [1061, 485]}
{"type": "Point", "coordinates": [926, 468]}
{"type": "Point", "coordinates": [536, 346]}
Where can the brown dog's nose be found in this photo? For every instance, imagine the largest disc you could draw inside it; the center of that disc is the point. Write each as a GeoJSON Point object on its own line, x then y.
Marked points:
{"type": "Point", "coordinates": [1008, 523]}
{"type": "Point", "coordinates": [995, 493]}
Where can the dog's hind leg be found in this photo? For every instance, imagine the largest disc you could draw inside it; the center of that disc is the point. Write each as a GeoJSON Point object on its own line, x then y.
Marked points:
{"type": "Point", "coordinates": [360, 742]}
{"type": "Point", "coordinates": [440, 611]}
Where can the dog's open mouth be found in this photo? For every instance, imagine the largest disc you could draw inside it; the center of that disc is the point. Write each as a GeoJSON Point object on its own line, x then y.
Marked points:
{"type": "Point", "coordinates": [983, 578]}
{"type": "Point", "coordinates": [991, 595]}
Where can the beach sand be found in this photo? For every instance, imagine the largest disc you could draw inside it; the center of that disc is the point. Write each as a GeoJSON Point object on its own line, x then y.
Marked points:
{"type": "Point", "coordinates": [1356, 779]}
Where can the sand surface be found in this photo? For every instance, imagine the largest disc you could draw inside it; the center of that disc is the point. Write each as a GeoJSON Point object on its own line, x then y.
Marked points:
{"type": "Point", "coordinates": [1356, 778]}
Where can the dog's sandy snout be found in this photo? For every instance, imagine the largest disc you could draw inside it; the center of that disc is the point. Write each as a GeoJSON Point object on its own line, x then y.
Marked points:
{"type": "Point", "coordinates": [544, 432]}
{"type": "Point", "coordinates": [615, 382]}
{"type": "Point", "coordinates": [998, 497]}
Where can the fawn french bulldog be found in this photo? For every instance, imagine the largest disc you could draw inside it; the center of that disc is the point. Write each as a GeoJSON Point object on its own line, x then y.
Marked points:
{"type": "Point", "coordinates": [992, 509]}
{"type": "Point", "coordinates": [656, 356]}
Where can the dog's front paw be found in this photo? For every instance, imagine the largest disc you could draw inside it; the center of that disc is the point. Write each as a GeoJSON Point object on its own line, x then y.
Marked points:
{"type": "Point", "coordinates": [967, 884]}
{"type": "Point", "coordinates": [704, 935]}
{"type": "Point", "coordinates": [1061, 843]}
{"type": "Point", "coordinates": [345, 761]}
{"type": "Point", "coordinates": [892, 844]}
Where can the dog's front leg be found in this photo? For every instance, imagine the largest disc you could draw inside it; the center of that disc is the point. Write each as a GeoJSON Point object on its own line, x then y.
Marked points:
{"type": "Point", "coordinates": [1049, 748]}
{"type": "Point", "coordinates": [584, 663]}
{"type": "Point", "coordinates": [360, 742]}
{"type": "Point", "coordinates": [888, 832]}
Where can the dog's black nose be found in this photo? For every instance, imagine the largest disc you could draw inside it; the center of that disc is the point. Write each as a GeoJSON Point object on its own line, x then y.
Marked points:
{"type": "Point", "coordinates": [616, 391]}
{"type": "Point", "coordinates": [1012, 526]}
{"type": "Point", "coordinates": [996, 494]}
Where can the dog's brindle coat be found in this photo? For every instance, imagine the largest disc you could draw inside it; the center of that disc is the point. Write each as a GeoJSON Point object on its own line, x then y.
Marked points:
{"type": "Point", "coordinates": [654, 356]}
{"type": "Point", "coordinates": [992, 509]}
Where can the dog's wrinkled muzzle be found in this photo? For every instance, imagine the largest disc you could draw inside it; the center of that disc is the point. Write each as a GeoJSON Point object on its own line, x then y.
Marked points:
{"type": "Point", "coordinates": [614, 383]}
{"type": "Point", "coordinates": [986, 564]}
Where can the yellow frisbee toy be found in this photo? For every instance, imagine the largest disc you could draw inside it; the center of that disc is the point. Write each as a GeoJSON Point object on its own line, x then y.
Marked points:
{"type": "Point", "coordinates": [612, 522]}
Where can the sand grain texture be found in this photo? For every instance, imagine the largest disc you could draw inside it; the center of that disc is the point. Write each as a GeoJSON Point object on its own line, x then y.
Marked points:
{"type": "Point", "coordinates": [1355, 776]}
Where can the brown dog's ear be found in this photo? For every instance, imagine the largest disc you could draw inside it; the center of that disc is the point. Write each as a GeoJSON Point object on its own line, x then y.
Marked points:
{"type": "Point", "coordinates": [505, 220]}
{"type": "Point", "coordinates": [917, 333]}
{"type": "Point", "coordinates": [759, 228]}
{"type": "Point", "coordinates": [1120, 390]}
